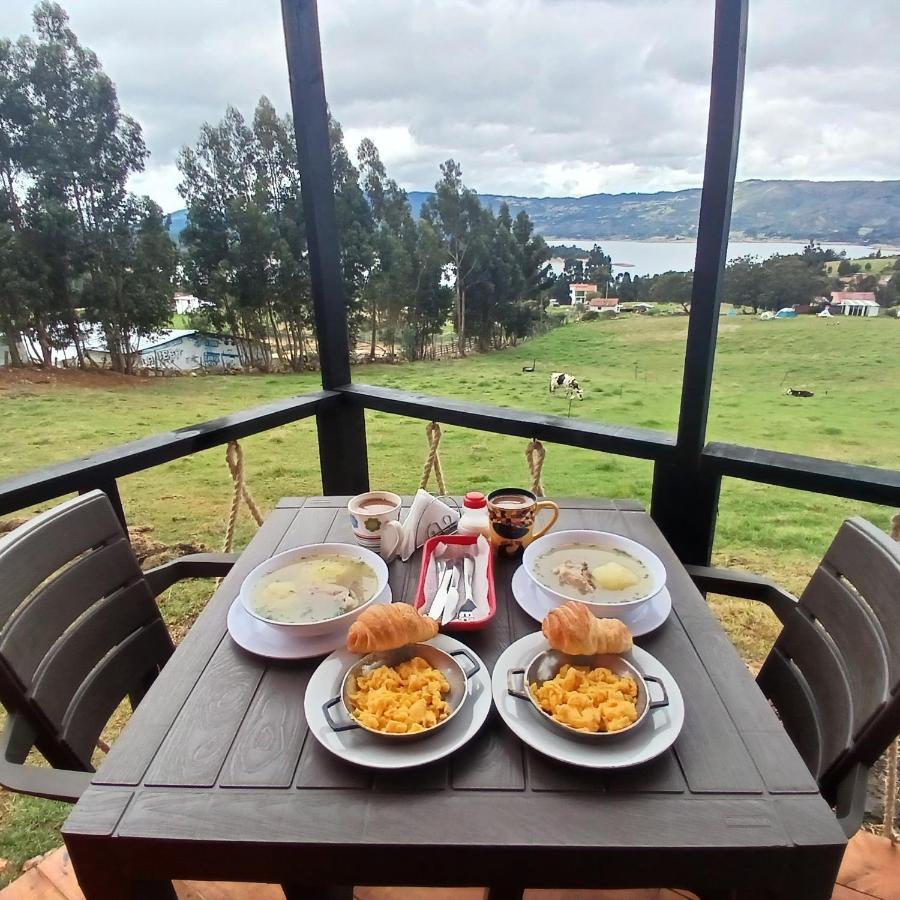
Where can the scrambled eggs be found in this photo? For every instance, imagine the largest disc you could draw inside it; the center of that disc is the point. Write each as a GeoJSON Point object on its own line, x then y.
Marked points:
{"type": "Point", "coordinates": [589, 699]}
{"type": "Point", "coordinates": [401, 700]}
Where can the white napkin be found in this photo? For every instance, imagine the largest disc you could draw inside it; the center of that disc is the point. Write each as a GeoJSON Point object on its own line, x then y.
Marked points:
{"type": "Point", "coordinates": [479, 552]}
{"type": "Point", "coordinates": [427, 516]}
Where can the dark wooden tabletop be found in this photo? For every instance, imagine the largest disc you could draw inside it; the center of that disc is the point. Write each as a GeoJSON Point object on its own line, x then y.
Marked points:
{"type": "Point", "coordinates": [216, 776]}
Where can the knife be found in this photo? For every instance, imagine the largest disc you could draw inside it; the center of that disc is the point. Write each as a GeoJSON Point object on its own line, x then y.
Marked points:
{"type": "Point", "coordinates": [452, 604]}
{"type": "Point", "coordinates": [440, 595]}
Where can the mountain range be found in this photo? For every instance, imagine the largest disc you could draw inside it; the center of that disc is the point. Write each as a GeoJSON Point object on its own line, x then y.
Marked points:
{"type": "Point", "coordinates": [840, 211]}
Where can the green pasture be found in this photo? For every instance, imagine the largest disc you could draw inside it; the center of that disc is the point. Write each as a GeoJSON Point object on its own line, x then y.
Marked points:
{"type": "Point", "coordinates": [875, 266]}
{"type": "Point", "coordinates": [630, 370]}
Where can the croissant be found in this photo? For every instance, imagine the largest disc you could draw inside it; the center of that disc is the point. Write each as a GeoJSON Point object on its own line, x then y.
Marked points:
{"type": "Point", "coordinates": [572, 628]}
{"type": "Point", "coordinates": [388, 626]}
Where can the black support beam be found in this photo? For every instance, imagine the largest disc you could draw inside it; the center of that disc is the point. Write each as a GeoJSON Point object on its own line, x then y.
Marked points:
{"type": "Point", "coordinates": [342, 431]}
{"type": "Point", "coordinates": [684, 505]}
{"type": "Point", "coordinates": [804, 473]}
{"type": "Point", "coordinates": [621, 439]}
{"type": "Point", "coordinates": [101, 469]}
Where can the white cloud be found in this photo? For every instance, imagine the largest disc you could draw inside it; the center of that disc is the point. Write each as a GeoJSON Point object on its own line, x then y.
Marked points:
{"type": "Point", "coordinates": [531, 96]}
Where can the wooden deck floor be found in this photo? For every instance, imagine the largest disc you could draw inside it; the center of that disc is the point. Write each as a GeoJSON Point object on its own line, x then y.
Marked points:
{"type": "Point", "coordinates": [871, 871]}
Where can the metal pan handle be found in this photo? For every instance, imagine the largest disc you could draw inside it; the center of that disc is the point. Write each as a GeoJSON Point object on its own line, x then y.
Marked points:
{"type": "Point", "coordinates": [336, 726]}
{"type": "Point", "coordinates": [657, 704]}
{"type": "Point", "coordinates": [511, 688]}
{"type": "Point", "coordinates": [476, 666]}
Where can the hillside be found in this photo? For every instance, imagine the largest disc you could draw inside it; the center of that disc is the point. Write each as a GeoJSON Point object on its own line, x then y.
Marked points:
{"type": "Point", "coordinates": [850, 211]}
{"type": "Point", "coordinates": [853, 211]}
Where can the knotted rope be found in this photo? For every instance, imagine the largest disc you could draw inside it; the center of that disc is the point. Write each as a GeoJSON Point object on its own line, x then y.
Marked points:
{"type": "Point", "coordinates": [433, 460]}
{"type": "Point", "coordinates": [534, 454]}
{"type": "Point", "coordinates": [890, 777]}
{"type": "Point", "coordinates": [234, 456]}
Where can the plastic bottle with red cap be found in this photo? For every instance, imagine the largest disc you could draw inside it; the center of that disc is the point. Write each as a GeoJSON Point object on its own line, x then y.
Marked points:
{"type": "Point", "coordinates": [474, 518]}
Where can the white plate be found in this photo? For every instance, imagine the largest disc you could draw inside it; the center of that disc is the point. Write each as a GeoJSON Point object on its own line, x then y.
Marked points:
{"type": "Point", "coordinates": [646, 618]}
{"type": "Point", "coordinates": [653, 736]}
{"type": "Point", "coordinates": [257, 637]}
{"type": "Point", "coordinates": [365, 749]}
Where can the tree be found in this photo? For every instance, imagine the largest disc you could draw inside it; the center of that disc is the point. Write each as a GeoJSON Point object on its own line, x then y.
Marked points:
{"type": "Point", "coordinates": [245, 242]}
{"type": "Point", "coordinates": [816, 256]}
{"type": "Point", "coordinates": [743, 283]}
{"type": "Point", "coordinates": [535, 257]}
{"type": "Point", "coordinates": [560, 289]}
{"type": "Point", "coordinates": [845, 267]}
{"type": "Point", "coordinates": [673, 287]}
{"type": "Point", "coordinates": [598, 268]}
{"type": "Point", "coordinates": [790, 280]}
{"type": "Point", "coordinates": [573, 267]}
{"type": "Point", "coordinates": [626, 289]}
{"type": "Point", "coordinates": [131, 296]}
{"type": "Point", "coordinates": [432, 301]}
{"type": "Point", "coordinates": [15, 120]}
{"type": "Point", "coordinates": [889, 294]}
{"type": "Point", "coordinates": [355, 226]}
{"type": "Point", "coordinates": [389, 286]}
{"type": "Point", "coordinates": [82, 150]}
{"type": "Point", "coordinates": [457, 217]}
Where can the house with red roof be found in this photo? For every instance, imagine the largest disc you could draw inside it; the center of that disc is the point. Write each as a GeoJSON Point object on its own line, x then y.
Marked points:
{"type": "Point", "coordinates": [854, 303]}
{"type": "Point", "coordinates": [580, 292]}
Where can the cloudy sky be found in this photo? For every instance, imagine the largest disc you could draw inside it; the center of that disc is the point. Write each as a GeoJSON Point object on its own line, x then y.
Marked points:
{"type": "Point", "coordinates": [533, 97]}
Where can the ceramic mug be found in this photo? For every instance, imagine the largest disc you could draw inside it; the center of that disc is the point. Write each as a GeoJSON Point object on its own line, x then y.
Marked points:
{"type": "Point", "coordinates": [512, 513]}
{"type": "Point", "coordinates": [368, 514]}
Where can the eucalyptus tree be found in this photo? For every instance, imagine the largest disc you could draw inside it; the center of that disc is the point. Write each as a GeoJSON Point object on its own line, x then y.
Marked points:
{"type": "Point", "coordinates": [82, 150]}
{"type": "Point", "coordinates": [131, 293]}
{"type": "Point", "coordinates": [457, 216]}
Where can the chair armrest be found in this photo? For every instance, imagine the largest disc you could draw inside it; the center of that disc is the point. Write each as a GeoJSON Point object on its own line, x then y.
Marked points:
{"type": "Point", "coordinates": [850, 803]}
{"type": "Point", "coordinates": [734, 583]}
{"type": "Point", "coordinates": [194, 565]}
{"type": "Point", "coordinates": [52, 784]}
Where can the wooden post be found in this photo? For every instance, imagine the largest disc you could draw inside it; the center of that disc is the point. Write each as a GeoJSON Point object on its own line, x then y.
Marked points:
{"type": "Point", "coordinates": [342, 430]}
{"type": "Point", "coordinates": [684, 502]}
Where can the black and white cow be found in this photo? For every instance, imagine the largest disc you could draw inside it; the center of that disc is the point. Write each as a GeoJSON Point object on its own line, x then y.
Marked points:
{"type": "Point", "coordinates": [568, 383]}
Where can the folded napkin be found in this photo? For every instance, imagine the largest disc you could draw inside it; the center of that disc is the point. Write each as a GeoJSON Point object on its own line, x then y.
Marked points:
{"type": "Point", "coordinates": [479, 552]}
{"type": "Point", "coordinates": [427, 517]}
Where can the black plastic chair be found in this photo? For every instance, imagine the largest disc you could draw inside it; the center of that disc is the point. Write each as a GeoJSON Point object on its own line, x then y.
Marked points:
{"type": "Point", "coordinates": [833, 674]}
{"type": "Point", "coordinates": [79, 631]}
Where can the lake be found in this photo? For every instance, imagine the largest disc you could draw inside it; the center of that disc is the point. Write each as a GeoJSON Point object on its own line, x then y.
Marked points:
{"type": "Point", "coordinates": [653, 257]}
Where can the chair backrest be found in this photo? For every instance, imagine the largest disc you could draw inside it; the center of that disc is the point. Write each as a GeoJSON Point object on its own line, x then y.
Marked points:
{"type": "Point", "coordinates": [834, 672]}
{"type": "Point", "coordinates": [79, 627]}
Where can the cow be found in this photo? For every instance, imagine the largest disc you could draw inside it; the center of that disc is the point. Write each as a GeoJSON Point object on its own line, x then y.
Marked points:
{"type": "Point", "coordinates": [568, 383]}
{"type": "Point", "coordinates": [792, 392]}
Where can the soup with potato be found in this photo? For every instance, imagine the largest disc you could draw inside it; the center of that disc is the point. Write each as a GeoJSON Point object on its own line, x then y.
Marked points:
{"type": "Point", "coordinates": [314, 589]}
{"type": "Point", "coordinates": [593, 573]}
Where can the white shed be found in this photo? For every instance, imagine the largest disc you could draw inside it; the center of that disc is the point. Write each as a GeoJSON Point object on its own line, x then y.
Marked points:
{"type": "Point", "coordinates": [854, 303]}
{"type": "Point", "coordinates": [185, 350]}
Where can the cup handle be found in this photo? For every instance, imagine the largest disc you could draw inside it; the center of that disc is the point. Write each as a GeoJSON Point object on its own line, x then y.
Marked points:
{"type": "Point", "coordinates": [545, 504]}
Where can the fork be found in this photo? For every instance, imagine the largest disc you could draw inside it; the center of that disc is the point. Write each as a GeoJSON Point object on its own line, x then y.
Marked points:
{"type": "Point", "coordinates": [467, 610]}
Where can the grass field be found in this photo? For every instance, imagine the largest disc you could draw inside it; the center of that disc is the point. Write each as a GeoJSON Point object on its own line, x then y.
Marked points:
{"type": "Point", "coordinates": [876, 266]}
{"type": "Point", "coordinates": [630, 369]}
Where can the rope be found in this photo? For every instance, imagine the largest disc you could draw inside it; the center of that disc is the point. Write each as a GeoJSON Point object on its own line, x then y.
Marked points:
{"type": "Point", "coordinates": [534, 454]}
{"type": "Point", "coordinates": [890, 776]}
{"type": "Point", "coordinates": [234, 456]}
{"type": "Point", "coordinates": [433, 460]}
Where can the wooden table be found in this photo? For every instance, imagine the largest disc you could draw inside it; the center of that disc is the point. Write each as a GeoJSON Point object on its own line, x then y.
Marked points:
{"type": "Point", "coordinates": [216, 777]}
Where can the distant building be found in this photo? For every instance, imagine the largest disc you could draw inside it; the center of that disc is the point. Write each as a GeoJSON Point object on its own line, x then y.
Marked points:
{"type": "Point", "coordinates": [580, 292]}
{"type": "Point", "coordinates": [854, 303]}
{"type": "Point", "coordinates": [604, 304]}
{"type": "Point", "coordinates": [186, 303]}
{"type": "Point", "coordinates": [182, 350]}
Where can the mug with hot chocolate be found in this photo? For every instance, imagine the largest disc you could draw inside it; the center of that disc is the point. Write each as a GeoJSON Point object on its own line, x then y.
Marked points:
{"type": "Point", "coordinates": [368, 514]}
{"type": "Point", "coordinates": [512, 513]}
